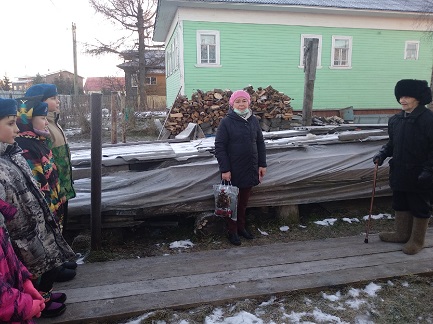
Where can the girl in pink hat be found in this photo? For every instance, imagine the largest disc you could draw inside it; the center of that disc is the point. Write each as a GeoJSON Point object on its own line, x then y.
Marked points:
{"type": "Point", "coordinates": [241, 154]}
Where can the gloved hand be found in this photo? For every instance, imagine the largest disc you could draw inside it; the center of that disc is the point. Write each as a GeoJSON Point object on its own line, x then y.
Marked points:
{"type": "Point", "coordinates": [425, 179]}
{"type": "Point", "coordinates": [379, 158]}
{"type": "Point", "coordinates": [31, 290]}
{"type": "Point", "coordinates": [37, 307]}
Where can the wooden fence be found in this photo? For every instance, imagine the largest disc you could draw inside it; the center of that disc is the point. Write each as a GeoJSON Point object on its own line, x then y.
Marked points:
{"type": "Point", "coordinates": [76, 115]}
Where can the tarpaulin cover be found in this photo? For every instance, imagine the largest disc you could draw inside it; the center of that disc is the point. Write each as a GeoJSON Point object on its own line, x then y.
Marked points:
{"type": "Point", "coordinates": [295, 175]}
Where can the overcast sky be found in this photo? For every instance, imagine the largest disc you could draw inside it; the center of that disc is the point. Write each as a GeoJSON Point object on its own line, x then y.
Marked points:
{"type": "Point", "coordinates": [36, 37]}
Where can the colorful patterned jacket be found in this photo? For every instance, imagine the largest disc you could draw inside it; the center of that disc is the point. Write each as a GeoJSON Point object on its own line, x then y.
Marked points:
{"type": "Point", "coordinates": [34, 232]}
{"type": "Point", "coordinates": [62, 155]}
{"type": "Point", "coordinates": [15, 305]}
{"type": "Point", "coordinates": [41, 162]}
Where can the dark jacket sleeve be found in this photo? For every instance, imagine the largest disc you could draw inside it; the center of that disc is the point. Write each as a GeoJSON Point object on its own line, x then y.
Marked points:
{"type": "Point", "coordinates": [387, 149]}
{"type": "Point", "coordinates": [221, 146]}
{"type": "Point", "coordinates": [261, 148]}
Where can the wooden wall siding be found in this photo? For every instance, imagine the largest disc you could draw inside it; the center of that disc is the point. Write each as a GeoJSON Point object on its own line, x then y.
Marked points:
{"type": "Point", "coordinates": [173, 85]}
{"type": "Point", "coordinates": [173, 81]}
{"type": "Point", "coordinates": [262, 55]}
{"type": "Point", "coordinates": [157, 89]}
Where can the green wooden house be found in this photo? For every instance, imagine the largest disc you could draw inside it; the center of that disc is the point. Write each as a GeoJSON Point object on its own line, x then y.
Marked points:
{"type": "Point", "coordinates": [365, 47]}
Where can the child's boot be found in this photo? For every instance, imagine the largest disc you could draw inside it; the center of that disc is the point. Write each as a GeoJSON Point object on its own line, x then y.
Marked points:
{"type": "Point", "coordinates": [53, 308]}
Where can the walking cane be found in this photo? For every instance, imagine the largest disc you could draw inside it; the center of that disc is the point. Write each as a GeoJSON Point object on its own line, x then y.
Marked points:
{"type": "Point", "coordinates": [371, 203]}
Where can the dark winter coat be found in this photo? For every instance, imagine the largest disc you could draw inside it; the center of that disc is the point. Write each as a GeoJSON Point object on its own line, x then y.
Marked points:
{"type": "Point", "coordinates": [34, 233]}
{"type": "Point", "coordinates": [411, 147]}
{"type": "Point", "coordinates": [15, 305]}
{"type": "Point", "coordinates": [240, 149]}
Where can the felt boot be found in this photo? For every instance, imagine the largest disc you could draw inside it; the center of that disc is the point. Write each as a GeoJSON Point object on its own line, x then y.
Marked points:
{"type": "Point", "coordinates": [416, 241]}
{"type": "Point", "coordinates": [403, 228]}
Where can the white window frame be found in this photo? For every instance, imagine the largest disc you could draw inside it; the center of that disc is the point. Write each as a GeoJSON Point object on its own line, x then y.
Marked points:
{"type": "Point", "coordinates": [349, 54]}
{"type": "Point", "coordinates": [406, 56]}
{"type": "Point", "coordinates": [168, 62]}
{"type": "Point", "coordinates": [176, 52]}
{"type": "Point", "coordinates": [150, 79]}
{"type": "Point", "coordinates": [215, 33]}
{"type": "Point", "coordinates": [319, 50]}
{"type": "Point", "coordinates": [172, 56]}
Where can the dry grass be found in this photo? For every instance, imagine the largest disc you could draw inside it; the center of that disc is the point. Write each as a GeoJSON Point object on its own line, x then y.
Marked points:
{"type": "Point", "coordinates": [399, 300]}
{"type": "Point", "coordinates": [154, 237]}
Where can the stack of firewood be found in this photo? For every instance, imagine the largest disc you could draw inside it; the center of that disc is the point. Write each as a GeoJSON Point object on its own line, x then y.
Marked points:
{"type": "Point", "coordinates": [208, 108]}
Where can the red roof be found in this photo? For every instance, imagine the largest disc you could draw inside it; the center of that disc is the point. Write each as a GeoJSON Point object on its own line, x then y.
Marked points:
{"type": "Point", "coordinates": [104, 84]}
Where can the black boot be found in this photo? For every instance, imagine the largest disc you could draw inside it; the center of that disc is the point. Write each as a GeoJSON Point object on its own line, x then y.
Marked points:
{"type": "Point", "coordinates": [65, 274]}
{"type": "Point", "coordinates": [244, 233]}
{"type": "Point", "coordinates": [234, 239]}
{"type": "Point", "coordinates": [53, 309]}
{"type": "Point", "coordinates": [70, 265]}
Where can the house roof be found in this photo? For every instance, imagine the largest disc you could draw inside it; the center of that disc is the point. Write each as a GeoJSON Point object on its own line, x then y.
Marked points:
{"type": "Point", "coordinates": [104, 83]}
{"type": "Point", "coordinates": [167, 8]}
{"type": "Point", "coordinates": [60, 71]}
{"type": "Point", "coordinates": [386, 5]}
{"type": "Point", "coordinates": [155, 60]}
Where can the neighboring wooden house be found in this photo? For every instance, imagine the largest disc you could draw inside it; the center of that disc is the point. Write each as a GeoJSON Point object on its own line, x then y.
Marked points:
{"type": "Point", "coordinates": [155, 73]}
{"type": "Point", "coordinates": [365, 47]}
{"type": "Point", "coordinates": [104, 85]}
{"type": "Point", "coordinates": [22, 83]}
{"type": "Point", "coordinates": [63, 76]}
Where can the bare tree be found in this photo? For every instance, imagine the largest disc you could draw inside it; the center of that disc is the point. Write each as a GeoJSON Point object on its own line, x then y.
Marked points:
{"type": "Point", "coordinates": [137, 17]}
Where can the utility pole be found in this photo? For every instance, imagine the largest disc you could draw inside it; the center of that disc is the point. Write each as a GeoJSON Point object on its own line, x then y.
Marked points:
{"type": "Point", "coordinates": [74, 47]}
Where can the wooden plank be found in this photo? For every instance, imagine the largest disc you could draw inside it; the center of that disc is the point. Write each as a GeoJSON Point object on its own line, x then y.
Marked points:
{"type": "Point", "coordinates": [235, 258]}
{"type": "Point", "coordinates": [135, 286]}
{"type": "Point", "coordinates": [139, 304]}
{"type": "Point", "coordinates": [234, 276]}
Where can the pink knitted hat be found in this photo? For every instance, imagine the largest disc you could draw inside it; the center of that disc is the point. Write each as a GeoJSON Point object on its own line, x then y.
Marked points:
{"type": "Point", "coordinates": [237, 94]}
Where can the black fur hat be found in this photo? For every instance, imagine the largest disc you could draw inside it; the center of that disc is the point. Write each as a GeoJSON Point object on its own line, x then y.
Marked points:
{"type": "Point", "coordinates": [417, 89]}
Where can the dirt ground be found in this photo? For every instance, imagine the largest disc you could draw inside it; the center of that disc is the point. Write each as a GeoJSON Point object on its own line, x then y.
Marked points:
{"type": "Point", "coordinates": [154, 236]}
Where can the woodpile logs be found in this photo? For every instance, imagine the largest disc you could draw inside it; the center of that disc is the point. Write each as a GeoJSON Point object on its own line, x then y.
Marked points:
{"type": "Point", "coordinates": [207, 109]}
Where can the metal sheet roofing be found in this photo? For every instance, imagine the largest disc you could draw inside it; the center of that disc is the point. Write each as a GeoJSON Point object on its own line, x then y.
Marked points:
{"type": "Point", "coordinates": [388, 5]}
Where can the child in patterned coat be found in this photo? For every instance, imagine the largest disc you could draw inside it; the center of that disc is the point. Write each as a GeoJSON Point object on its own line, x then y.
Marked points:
{"type": "Point", "coordinates": [33, 231]}
{"type": "Point", "coordinates": [19, 300]}
{"type": "Point", "coordinates": [32, 123]}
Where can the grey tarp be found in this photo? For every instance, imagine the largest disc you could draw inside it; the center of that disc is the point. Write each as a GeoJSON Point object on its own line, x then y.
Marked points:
{"type": "Point", "coordinates": [296, 175]}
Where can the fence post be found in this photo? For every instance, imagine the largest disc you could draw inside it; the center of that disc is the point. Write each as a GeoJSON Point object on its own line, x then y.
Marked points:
{"type": "Point", "coordinates": [113, 118]}
{"type": "Point", "coordinates": [123, 109]}
{"type": "Point", "coordinates": [96, 170]}
{"type": "Point", "coordinates": [310, 77]}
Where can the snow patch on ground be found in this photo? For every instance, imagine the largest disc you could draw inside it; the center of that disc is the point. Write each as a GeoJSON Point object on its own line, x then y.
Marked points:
{"type": "Point", "coordinates": [185, 244]}
{"type": "Point", "coordinates": [353, 299]}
